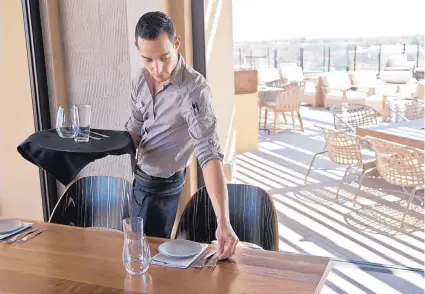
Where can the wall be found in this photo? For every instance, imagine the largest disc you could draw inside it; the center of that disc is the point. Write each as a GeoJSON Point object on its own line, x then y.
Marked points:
{"type": "Point", "coordinates": [134, 10]}
{"type": "Point", "coordinates": [19, 180]}
{"type": "Point", "coordinates": [220, 73]}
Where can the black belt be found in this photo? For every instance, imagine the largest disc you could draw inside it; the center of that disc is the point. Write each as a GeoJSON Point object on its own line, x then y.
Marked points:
{"type": "Point", "coordinates": [139, 173]}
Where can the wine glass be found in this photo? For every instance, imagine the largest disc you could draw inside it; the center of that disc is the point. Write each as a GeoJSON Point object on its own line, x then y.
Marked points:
{"type": "Point", "coordinates": [64, 122]}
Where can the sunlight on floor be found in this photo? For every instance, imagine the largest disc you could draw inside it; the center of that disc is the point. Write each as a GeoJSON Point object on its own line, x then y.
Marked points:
{"type": "Point", "coordinates": [312, 221]}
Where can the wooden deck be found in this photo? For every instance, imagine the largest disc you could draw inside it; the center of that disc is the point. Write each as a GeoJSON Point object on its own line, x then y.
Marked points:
{"type": "Point", "coordinates": [311, 221]}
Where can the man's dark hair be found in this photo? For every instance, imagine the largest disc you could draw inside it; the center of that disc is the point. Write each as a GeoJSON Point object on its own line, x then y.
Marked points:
{"type": "Point", "coordinates": [152, 24]}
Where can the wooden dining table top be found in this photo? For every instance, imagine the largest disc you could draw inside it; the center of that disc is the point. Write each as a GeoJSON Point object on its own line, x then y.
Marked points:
{"type": "Point", "coordinates": [410, 133]}
{"type": "Point", "coordinates": [67, 259]}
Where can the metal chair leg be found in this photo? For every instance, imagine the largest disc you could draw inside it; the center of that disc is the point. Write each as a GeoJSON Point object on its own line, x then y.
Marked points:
{"type": "Point", "coordinates": [412, 195]}
{"type": "Point", "coordinates": [311, 164]}
{"type": "Point", "coordinates": [361, 182]}
{"type": "Point", "coordinates": [342, 181]}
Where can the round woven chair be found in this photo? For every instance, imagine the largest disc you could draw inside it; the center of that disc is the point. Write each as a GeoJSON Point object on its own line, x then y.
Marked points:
{"type": "Point", "coordinates": [399, 165]}
{"type": "Point", "coordinates": [348, 116]}
{"type": "Point", "coordinates": [405, 110]}
{"type": "Point", "coordinates": [344, 149]}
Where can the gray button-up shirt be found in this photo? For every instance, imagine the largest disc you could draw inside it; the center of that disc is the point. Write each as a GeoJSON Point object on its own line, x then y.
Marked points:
{"type": "Point", "coordinates": [174, 122]}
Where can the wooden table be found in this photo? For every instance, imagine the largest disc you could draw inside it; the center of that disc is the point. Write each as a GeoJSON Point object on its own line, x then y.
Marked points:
{"type": "Point", "coordinates": [76, 260]}
{"type": "Point", "coordinates": [409, 133]}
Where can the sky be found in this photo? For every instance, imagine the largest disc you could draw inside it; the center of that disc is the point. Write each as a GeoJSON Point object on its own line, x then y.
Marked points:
{"type": "Point", "coordinates": [262, 20]}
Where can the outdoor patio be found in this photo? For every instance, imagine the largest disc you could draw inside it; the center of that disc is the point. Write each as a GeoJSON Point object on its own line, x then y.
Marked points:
{"type": "Point", "coordinates": [371, 252]}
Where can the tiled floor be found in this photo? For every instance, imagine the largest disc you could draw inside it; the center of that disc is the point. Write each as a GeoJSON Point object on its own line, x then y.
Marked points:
{"type": "Point", "coordinates": [311, 221]}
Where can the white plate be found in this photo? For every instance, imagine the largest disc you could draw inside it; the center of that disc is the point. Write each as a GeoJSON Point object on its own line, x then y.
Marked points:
{"type": "Point", "coordinates": [9, 225]}
{"type": "Point", "coordinates": [179, 248]}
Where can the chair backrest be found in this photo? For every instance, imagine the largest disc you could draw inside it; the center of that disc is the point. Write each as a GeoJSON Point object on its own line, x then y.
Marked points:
{"type": "Point", "coordinates": [397, 164]}
{"type": "Point", "coordinates": [252, 216]}
{"type": "Point", "coordinates": [95, 201]}
{"type": "Point", "coordinates": [268, 75]}
{"type": "Point", "coordinates": [291, 97]}
{"type": "Point", "coordinates": [364, 77]}
{"type": "Point", "coordinates": [398, 61]}
{"type": "Point", "coordinates": [342, 148]}
{"type": "Point", "coordinates": [336, 80]}
{"type": "Point", "coordinates": [292, 72]}
{"type": "Point", "coordinates": [404, 110]}
{"type": "Point", "coordinates": [277, 83]}
{"type": "Point", "coordinates": [347, 116]}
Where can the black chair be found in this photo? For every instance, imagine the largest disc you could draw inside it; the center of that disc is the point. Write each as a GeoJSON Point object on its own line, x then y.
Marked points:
{"type": "Point", "coordinates": [252, 216]}
{"type": "Point", "coordinates": [348, 116]}
{"type": "Point", "coordinates": [95, 201]}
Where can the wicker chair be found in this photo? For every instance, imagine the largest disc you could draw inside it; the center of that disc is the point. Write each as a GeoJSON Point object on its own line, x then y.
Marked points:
{"type": "Point", "coordinates": [404, 110]}
{"type": "Point", "coordinates": [344, 149]}
{"type": "Point", "coordinates": [399, 165]}
{"type": "Point", "coordinates": [348, 116]}
{"type": "Point", "coordinates": [287, 100]}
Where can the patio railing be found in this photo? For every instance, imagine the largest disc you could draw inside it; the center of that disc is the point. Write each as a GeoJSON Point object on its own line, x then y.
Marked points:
{"type": "Point", "coordinates": [315, 58]}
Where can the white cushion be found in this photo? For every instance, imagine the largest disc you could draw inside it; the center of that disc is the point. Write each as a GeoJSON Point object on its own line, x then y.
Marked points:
{"type": "Point", "coordinates": [364, 77]}
{"type": "Point", "coordinates": [398, 77]}
{"type": "Point", "coordinates": [337, 80]}
{"type": "Point", "coordinates": [351, 95]}
{"type": "Point", "coordinates": [408, 90]}
{"type": "Point", "coordinates": [376, 102]}
{"type": "Point", "coordinates": [292, 72]}
{"type": "Point", "coordinates": [310, 88]}
{"type": "Point", "coordinates": [398, 61]}
{"type": "Point", "coordinates": [267, 75]}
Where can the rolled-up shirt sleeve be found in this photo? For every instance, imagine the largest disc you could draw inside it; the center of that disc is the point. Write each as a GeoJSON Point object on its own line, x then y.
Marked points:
{"type": "Point", "coordinates": [199, 115]}
{"type": "Point", "coordinates": [135, 122]}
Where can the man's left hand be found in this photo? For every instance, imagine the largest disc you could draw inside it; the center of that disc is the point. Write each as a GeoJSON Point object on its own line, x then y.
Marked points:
{"type": "Point", "coordinates": [227, 240]}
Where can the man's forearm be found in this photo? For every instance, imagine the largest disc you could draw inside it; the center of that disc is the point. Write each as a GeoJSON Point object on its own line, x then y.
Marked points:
{"type": "Point", "coordinates": [217, 189]}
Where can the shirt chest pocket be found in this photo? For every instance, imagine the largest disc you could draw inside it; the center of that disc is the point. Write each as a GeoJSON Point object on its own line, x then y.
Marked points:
{"type": "Point", "coordinates": [144, 110]}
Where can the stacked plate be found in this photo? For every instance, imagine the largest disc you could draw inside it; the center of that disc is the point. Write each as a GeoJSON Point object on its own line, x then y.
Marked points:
{"type": "Point", "coordinates": [9, 227]}
{"type": "Point", "coordinates": [179, 248]}
{"type": "Point", "coordinates": [178, 253]}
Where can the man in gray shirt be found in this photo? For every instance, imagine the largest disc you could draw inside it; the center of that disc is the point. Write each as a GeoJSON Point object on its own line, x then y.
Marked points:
{"type": "Point", "coordinates": [172, 117]}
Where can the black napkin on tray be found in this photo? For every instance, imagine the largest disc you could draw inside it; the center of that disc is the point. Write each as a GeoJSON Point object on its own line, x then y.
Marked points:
{"type": "Point", "coordinates": [63, 158]}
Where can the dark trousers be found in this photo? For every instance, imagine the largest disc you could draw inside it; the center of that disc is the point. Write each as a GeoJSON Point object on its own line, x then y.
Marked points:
{"type": "Point", "coordinates": [156, 200]}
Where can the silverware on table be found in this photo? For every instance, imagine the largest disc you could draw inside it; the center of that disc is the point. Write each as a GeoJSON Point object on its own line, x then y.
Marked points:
{"type": "Point", "coordinates": [212, 263]}
{"type": "Point", "coordinates": [99, 134]}
{"type": "Point", "coordinates": [200, 262]}
{"type": "Point", "coordinates": [20, 236]}
{"type": "Point", "coordinates": [31, 235]}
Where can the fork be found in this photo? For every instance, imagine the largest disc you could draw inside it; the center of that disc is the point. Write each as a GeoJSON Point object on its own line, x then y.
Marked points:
{"type": "Point", "coordinates": [31, 235]}
{"type": "Point", "coordinates": [200, 263]}
{"type": "Point", "coordinates": [20, 236]}
{"type": "Point", "coordinates": [212, 263]}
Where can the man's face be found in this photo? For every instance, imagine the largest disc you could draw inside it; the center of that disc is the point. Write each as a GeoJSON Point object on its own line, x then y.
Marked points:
{"type": "Point", "coordinates": [159, 56]}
